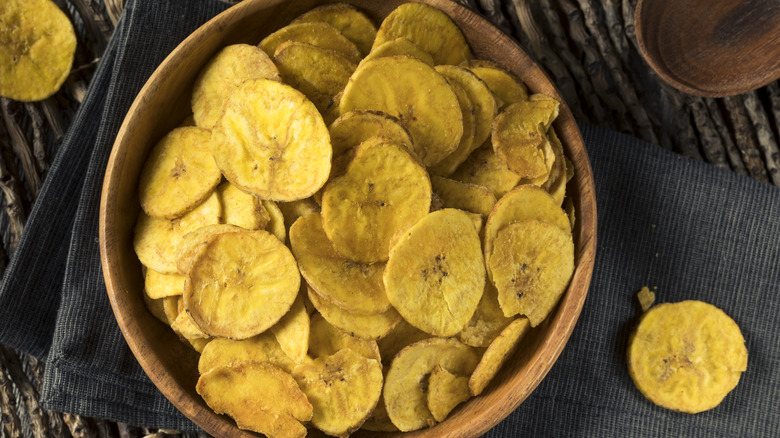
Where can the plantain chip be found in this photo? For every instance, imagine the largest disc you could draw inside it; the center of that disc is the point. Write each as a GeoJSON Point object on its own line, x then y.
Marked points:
{"type": "Point", "coordinates": [259, 396]}
{"type": "Point", "coordinates": [531, 265]}
{"type": "Point", "coordinates": [157, 308]}
{"type": "Point", "coordinates": [469, 197]}
{"type": "Point", "coordinates": [505, 86]}
{"type": "Point", "coordinates": [415, 93]}
{"type": "Point", "coordinates": [407, 379]}
{"type": "Point", "coordinates": [497, 353]}
{"type": "Point", "coordinates": [272, 142]}
{"type": "Point", "coordinates": [686, 356]}
{"type": "Point", "coordinates": [172, 307]}
{"type": "Point", "coordinates": [487, 322]}
{"type": "Point", "coordinates": [435, 274]}
{"type": "Point", "coordinates": [354, 287]}
{"type": "Point", "coordinates": [484, 168]}
{"type": "Point", "coordinates": [318, 73]}
{"type": "Point", "coordinates": [186, 328]}
{"type": "Point", "coordinates": [261, 348]}
{"type": "Point", "coordinates": [520, 146]}
{"type": "Point", "coordinates": [193, 242]}
{"type": "Point", "coordinates": [348, 20]}
{"type": "Point", "coordinates": [276, 225]}
{"type": "Point", "coordinates": [445, 392]}
{"type": "Point", "coordinates": [355, 127]}
{"type": "Point", "coordinates": [242, 209]}
{"type": "Point", "coordinates": [325, 339]}
{"type": "Point", "coordinates": [292, 331]}
{"type": "Point", "coordinates": [384, 191]}
{"type": "Point", "coordinates": [156, 241]}
{"type": "Point", "coordinates": [37, 45]}
{"type": "Point", "coordinates": [449, 163]}
{"type": "Point", "coordinates": [427, 27]}
{"type": "Point", "coordinates": [317, 33]}
{"type": "Point", "coordinates": [556, 183]}
{"type": "Point", "coordinates": [343, 388]}
{"type": "Point", "coordinates": [366, 326]}
{"type": "Point", "coordinates": [399, 47]}
{"type": "Point", "coordinates": [241, 284]}
{"type": "Point", "coordinates": [293, 210]}
{"type": "Point", "coordinates": [646, 298]}
{"type": "Point", "coordinates": [159, 285]}
{"type": "Point", "coordinates": [402, 335]}
{"type": "Point", "coordinates": [230, 67]}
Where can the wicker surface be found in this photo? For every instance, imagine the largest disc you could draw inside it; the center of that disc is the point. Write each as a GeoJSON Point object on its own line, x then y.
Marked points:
{"type": "Point", "coordinates": [588, 48]}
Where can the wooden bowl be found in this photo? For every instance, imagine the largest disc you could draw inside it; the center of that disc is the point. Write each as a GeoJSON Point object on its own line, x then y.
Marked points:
{"type": "Point", "coordinates": [165, 101]}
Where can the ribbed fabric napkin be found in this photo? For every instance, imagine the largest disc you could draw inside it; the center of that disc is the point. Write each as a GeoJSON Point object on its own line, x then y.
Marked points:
{"type": "Point", "coordinates": [692, 230]}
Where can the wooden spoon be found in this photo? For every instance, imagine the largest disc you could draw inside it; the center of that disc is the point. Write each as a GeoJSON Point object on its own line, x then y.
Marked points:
{"type": "Point", "coordinates": [711, 48]}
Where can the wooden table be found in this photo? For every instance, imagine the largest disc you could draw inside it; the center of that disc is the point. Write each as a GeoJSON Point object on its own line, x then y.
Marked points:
{"type": "Point", "coordinates": [587, 47]}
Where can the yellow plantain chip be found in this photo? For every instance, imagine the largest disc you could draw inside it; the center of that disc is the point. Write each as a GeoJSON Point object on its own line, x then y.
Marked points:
{"type": "Point", "coordinates": [325, 339]}
{"type": "Point", "coordinates": [435, 274]}
{"type": "Point", "coordinates": [646, 298]}
{"type": "Point", "coordinates": [477, 220]}
{"type": "Point", "coordinates": [366, 326]}
{"type": "Point", "coordinates": [193, 242]}
{"type": "Point", "coordinates": [416, 94]}
{"type": "Point", "coordinates": [445, 392]}
{"type": "Point", "coordinates": [399, 47]}
{"type": "Point", "coordinates": [317, 33]}
{"type": "Point", "coordinates": [402, 335]}
{"type": "Point", "coordinates": [276, 223]}
{"type": "Point", "coordinates": [429, 28]}
{"type": "Point", "coordinates": [355, 127]}
{"type": "Point", "coordinates": [241, 284]}
{"type": "Point", "coordinates": [352, 23]}
{"type": "Point", "coordinates": [224, 72]}
{"type": "Point", "coordinates": [156, 241]}
{"type": "Point", "coordinates": [466, 145]}
{"type": "Point", "coordinates": [37, 44]}
{"type": "Point", "coordinates": [343, 388]}
{"type": "Point", "coordinates": [384, 191]}
{"type": "Point", "coordinates": [484, 168]}
{"type": "Point", "coordinates": [293, 210]}
{"type": "Point", "coordinates": [292, 331]}
{"type": "Point", "coordinates": [157, 308]}
{"type": "Point", "coordinates": [259, 396]}
{"type": "Point", "coordinates": [318, 73]}
{"type": "Point", "coordinates": [556, 184]}
{"type": "Point", "coordinates": [407, 380]}
{"type": "Point", "coordinates": [523, 203]}
{"type": "Point", "coordinates": [496, 354]}
{"type": "Point", "coordinates": [186, 328]}
{"type": "Point", "coordinates": [686, 356]}
{"type": "Point", "coordinates": [172, 307]}
{"type": "Point", "coordinates": [272, 142]}
{"type": "Point", "coordinates": [532, 263]}
{"type": "Point", "coordinates": [487, 322]}
{"type": "Point", "coordinates": [261, 348]}
{"type": "Point", "coordinates": [469, 197]}
{"type": "Point", "coordinates": [354, 287]}
{"type": "Point", "coordinates": [179, 173]}
{"type": "Point", "coordinates": [198, 344]}
{"type": "Point", "coordinates": [159, 285]}
{"type": "Point", "coordinates": [505, 86]}
{"type": "Point", "coordinates": [541, 108]}
{"type": "Point", "coordinates": [242, 209]}
{"type": "Point", "coordinates": [520, 145]}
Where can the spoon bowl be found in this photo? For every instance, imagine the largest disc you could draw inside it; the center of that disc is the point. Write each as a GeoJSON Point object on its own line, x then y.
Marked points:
{"type": "Point", "coordinates": [712, 48]}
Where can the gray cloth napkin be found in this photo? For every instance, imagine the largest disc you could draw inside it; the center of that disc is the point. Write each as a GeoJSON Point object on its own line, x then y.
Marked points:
{"type": "Point", "coordinates": [692, 230]}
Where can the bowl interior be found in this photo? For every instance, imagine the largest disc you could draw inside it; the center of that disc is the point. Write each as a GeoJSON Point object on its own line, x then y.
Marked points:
{"type": "Point", "coordinates": [164, 102]}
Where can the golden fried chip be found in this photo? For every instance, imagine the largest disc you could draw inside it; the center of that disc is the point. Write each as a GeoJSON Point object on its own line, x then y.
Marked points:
{"type": "Point", "coordinates": [466, 144]}
{"type": "Point", "coordinates": [366, 326]}
{"type": "Point", "coordinates": [399, 47]}
{"type": "Point", "coordinates": [355, 287]}
{"type": "Point", "coordinates": [199, 344]}
{"type": "Point", "coordinates": [156, 241]}
{"type": "Point", "coordinates": [224, 72]}
{"type": "Point", "coordinates": [325, 339]}
{"type": "Point", "coordinates": [686, 356]}
{"type": "Point", "coordinates": [317, 33]}
{"type": "Point", "coordinates": [469, 197]}
{"type": "Point", "coordinates": [435, 274]}
{"type": "Point", "coordinates": [37, 44]}
{"type": "Point", "coordinates": [241, 209]}
{"type": "Point", "coordinates": [276, 224]}
{"type": "Point", "coordinates": [296, 209]}
{"type": "Point", "coordinates": [186, 328]}
{"type": "Point", "coordinates": [484, 168]}
{"type": "Point", "coordinates": [383, 192]}
{"type": "Point", "coordinates": [292, 331]}
{"type": "Point", "coordinates": [487, 322]}
{"type": "Point", "coordinates": [179, 173]}
{"type": "Point", "coordinates": [445, 392]}
{"type": "Point", "coordinates": [415, 93]}
{"type": "Point", "coordinates": [172, 307]}
{"type": "Point", "coordinates": [318, 73]}
{"type": "Point", "coordinates": [402, 335]}
{"type": "Point", "coordinates": [519, 145]}
{"type": "Point", "coordinates": [261, 348]}
{"type": "Point", "coordinates": [272, 142]}
{"type": "Point", "coordinates": [427, 27]}
{"type": "Point", "coordinates": [541, 109]}
{"type": "Point", "coordinates": [556, 184]}
{"type": "Point", "coordinates": [193, 242]}
{"type": "Point", "coordinates": [497, 353]}
{"type": "Point", "coordinates": [568, 207]}
{"type": "Point", "coordinates": [159, 285]}
{"type": "Point", "coordinates": [352, 23]}
{"type": "Point", "coordinates": [259, 396]}
{"type": "Point", "coordinates": [646, 298]}
{"type": "Point", "coordinates": [343, 388]}
{"type": "Point", "coordinates": [157, 308]}
{"type": "Point", "coordinates": [355, 127]}
{"type": "Point", "coordinates": [505, 86]}
{"type": "Point", "coordinates": [531, 265]}
{"type": "Point", "coordinates": [406, 382]}
{"type": "Point", "coordinates": [241, 284]}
